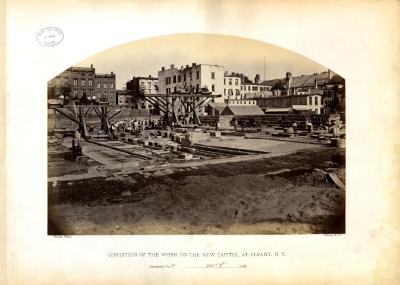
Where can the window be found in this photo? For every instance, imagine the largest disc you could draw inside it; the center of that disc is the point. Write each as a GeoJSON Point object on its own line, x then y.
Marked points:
{"type": "Point", "coordinates": [248, 88]}
{"type": "Point", "coordinates": [90, 82]}
{"type": "Point", "coordinates": [212, 75]}
{"type": "Point", "coordinates": [309, 100]}
{"type": "Point", "coordinates": [197, 74]}
{"type": "Point", "coordinates": [230, 81]}
{"type": "Point", "coordinates": [105, 94]}
{"type": "Point", "coordinates": [75, 92]}
{"type": "Point", "coordinates": [179, 78]}
{"type": "Point", "coordinates": [213, 88]}
{"type": "Point", "coordinates": [224, 81]}
{"type": "Point", "coordinates": [236, 81]}
{"type": "Point", "coordinates": [230, 92]}
{"type": "Point", "coordinates": [237, 92]}
{"type": "Point", "coordinates": [166, 80]}
{"type": "Point", "coordinates": [112, 85]}
{"type": "Point", "coordinates": [75, 82]}
{"type": "Point", "coordinates": [98, 85]}
{"type": "Point", "coordinates": [174, 89]}
{"type": "Point", "coordinates": [224, 91]}
{"type": "Point", "coordinates": [316, 100]}
{"type": "Point", "coordinates": [174, 79]}
{"type": "Point", "coordinates": [105, 85]}
{"type": "Point", "coordinates": [91, 92]}
{"type": "Point", "coordinates": [83, 82]}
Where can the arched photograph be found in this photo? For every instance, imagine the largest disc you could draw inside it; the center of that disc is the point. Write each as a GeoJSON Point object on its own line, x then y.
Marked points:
{"type": "Point", "coordinates": [196, 134]}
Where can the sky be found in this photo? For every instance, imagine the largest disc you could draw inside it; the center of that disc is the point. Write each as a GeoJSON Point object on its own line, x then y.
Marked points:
{"type": "Point", "coordinates": [146, 57]}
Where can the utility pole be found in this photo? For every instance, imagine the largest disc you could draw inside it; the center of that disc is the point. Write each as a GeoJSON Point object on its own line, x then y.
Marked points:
{"type": "Point", "coordinates": [264, 68]}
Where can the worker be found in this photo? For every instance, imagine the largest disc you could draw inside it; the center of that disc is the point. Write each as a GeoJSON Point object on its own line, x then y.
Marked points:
{"type": "Point", "coordinates": [76, 148]}
{"type": "Point", "coordinates": [309, 127]}
{"type": "Point", "coordinates": [217, 126]}
{"type": "Point", "coordinates": [294, 126]}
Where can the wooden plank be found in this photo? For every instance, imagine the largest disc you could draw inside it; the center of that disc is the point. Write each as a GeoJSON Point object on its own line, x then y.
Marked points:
{"type": "Point", "coordinates": [336, 180]}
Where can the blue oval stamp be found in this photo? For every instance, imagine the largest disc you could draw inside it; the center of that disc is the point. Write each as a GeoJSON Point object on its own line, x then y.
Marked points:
{"type": "Point", "coordinates": [49, 36]}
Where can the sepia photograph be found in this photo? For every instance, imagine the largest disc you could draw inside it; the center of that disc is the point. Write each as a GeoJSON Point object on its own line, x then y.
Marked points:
{"type": "Point", "coordinates": [196, 134]}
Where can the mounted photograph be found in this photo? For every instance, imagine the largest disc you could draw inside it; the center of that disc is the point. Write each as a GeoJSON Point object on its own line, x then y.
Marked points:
{"type": "Point", "coordinates": [196, 134]}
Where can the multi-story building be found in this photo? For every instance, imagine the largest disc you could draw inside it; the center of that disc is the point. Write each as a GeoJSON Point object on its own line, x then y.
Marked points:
{"type": "Point", "coordinates": [123, 98]}
{"type": "Point", "coordinates": [292, 103]}
{"type": "Point", "coordinates": [254, 89]}
{"type": "Point", "coordinates": [138, 86]}
{"type": "Point", "coordinates": [194, 78]}
{"type": "Point", "coordinates": [328, 85]}
{"type": "Point", "coordinates": [105, 88]}
{"type": "Point", "coordinates": [233, 93]}
{"type": "Point", "coordinates": [76, 83]}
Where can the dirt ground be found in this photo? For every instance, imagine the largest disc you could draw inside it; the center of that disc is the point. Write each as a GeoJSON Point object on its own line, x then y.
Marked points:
{"type": "Point", "coordinates": [278, 195]}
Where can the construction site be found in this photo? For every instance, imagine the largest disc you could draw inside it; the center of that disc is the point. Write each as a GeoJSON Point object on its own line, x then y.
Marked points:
{"type": "Point", "coordinates": [121, 170]}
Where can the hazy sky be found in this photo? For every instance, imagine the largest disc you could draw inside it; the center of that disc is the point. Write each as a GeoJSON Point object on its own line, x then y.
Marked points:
{"type": "Point", "coordinates": [146, 57]}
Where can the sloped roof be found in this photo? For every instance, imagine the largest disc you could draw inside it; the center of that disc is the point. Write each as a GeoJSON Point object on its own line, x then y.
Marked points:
{"type": "Point", "coordinates": [217, 105]}
{"type": "Point", "coordinates": [242, 110]}
{"type": "Point", "coordinates": [336, 79]}
{"type": "Point", "coordinates": [278, 110]}
{"type": "Point", "coordinates": [301, 81]}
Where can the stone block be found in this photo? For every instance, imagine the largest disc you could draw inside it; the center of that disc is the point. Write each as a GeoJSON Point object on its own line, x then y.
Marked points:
{"type": "Point", "coordinates": [215, 134]}
{"type": "Point", "coordinates": [186, 156]}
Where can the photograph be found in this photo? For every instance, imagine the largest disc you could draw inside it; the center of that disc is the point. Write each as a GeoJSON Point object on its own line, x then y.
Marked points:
{"type": "Point", "coordinates": [196, 134]}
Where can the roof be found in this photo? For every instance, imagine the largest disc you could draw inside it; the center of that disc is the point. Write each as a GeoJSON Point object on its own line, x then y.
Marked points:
{"type": "Point", "coordinates": [217, 105]}
{"type": "Point", "coordinates": [242, 110]}
{"type": "Point", "coordinates": [300, 81]}
{"type": "Point", "coordinates": [278, 110]}
{"type": "Point", "coordinates": [336, 79]}
{"type": "Point", "coordinates": [301, 107]}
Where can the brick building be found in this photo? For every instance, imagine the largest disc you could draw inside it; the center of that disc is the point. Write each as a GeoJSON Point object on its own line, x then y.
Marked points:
{"type": "Point", "coordinates": [82, 83]}
{"type": "Point", "coordinates": [138, 86]}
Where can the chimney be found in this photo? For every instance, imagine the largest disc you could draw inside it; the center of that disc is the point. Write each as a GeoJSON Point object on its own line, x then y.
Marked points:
{"type": "Point", "coordinates": [149, 76]}
{"type": "Point", "coordinates": [172, 66]}
{"type": "Point", "coordinates": [257, 79]}
{"type": "Point", "coordinates": [112, 73]}
{"type": "Point", "coordinates": [162, 68]}
{"type": "Point", "coordinates": [91, 66]}
{"type": "Point", "coordinates": [193, 64]}
{"type": "Point", "coordinates": [187, 65]}
{"type": "Point", "coordinates": [288, 81]}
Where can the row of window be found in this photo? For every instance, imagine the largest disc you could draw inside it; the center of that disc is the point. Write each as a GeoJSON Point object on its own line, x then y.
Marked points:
{"type": "Point", "coordinates": [242, 102]}
{"type": "Point", "coordinates": [230, 92]}
{"type": "Point", "coordinates": [178, 78]}
{"type": "Point", "coordinates": [83, 92]}
{"type": "Point", "coordinates": [90, 84]}
{"type": "Point", "coordinates": [230, 81]}
{"type": "Point", "coordinates": [315, 101]}
{"type": "Point", "coordinates": [254, 88]}
{"type": "Point", "coordinates": [142, 85]}
{"type": "Point", "coordinates": [192, 87]}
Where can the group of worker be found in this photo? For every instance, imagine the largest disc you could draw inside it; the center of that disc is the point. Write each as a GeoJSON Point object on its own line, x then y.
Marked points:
{"type": "Point", "coordinates": [332, 127]}
{"type": "Point", "coordinates": [134, 127]}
